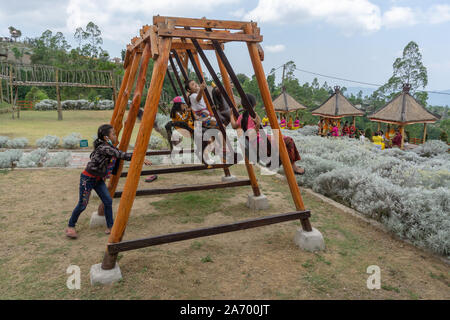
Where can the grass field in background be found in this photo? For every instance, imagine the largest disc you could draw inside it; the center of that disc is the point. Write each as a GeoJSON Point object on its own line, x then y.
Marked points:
{"type": "Point", "coordinates": [34, 125]}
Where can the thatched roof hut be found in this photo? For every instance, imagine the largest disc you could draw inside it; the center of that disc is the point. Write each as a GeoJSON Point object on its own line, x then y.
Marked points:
{"type": "Point", "coordinates": [337, 106]}
{"type": "Point", "coordinates": [334, 108]}
{"type": "Point", "coordinates": [404, 110]}
{"type": "Point", "coordinates": [284, 103]}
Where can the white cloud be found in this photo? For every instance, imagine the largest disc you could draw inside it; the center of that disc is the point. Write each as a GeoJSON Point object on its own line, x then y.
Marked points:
{"type": "Point", "coordinates": [121, 20]}
{"type": "Point", "coordinates": [238, 13]}
{"type": "Point", "coordinates": [399, 17]}
{"type": "Point", "coordinates": [438, 13]}
{"type": "Point", "coordinates": [349, 15]}
{"type": "Point", "coordinates": [275, 48]}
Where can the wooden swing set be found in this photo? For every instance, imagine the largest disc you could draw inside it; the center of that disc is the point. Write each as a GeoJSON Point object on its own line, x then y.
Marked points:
{"type": "Point", "coordinates": [184, 40]}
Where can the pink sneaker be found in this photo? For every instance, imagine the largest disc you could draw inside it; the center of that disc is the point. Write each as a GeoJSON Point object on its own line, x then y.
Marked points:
{"type": "Point", "coordinates": [71, 233]}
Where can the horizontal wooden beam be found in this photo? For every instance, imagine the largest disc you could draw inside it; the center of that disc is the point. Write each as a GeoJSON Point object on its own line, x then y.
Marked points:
{"type": "Point", "coordinates": [188, 188]}
{"type": "Point", "coordinates": [61, 84]}
{"type": "Point", "coordinates": [203, 23]}
{"type": "Point", "coordinates": [208, 231]}
{"type": "Point", "coordinates": [189, 46]}
{"type": "Point", "coordinates": [167, 152]}
{"type": "Point", "coordinates": [201, 34]}
{"type": "Point", "coordinates": [180, 169]}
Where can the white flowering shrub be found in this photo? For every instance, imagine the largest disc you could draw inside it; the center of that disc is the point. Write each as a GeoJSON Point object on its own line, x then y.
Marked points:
{"type": "Point", "coordinates": [105, 105]}
{"type": "Point", "coordinates": [408, 191]}
{"type": "Point", "coordinates": [18, 143]}
{"type": "Point", "coordinates": [308, 130]}
{"type": "Point", "coordinates": [81, 104]}
{"type": "Point", "coordinates": [46, 104]}
{"type": "Point", "coordinates": [36, 158]}
{"type": "Point", "coordinates": [431, 148]}
{"type": "Point", "coordinates": [48, 142]}
{"type": "Point", "coordinates": [157, 142]}
{"type": "Point", "coordinates": [59, 159]}
{"type": "Point", "coordinates": [72, 141]}
{"type": "Point", "coordinates": [8, 157]}
{"type": "Point", "coordinates": [3, 141]}
{"type": "Point", "coordinates": [160, 122]}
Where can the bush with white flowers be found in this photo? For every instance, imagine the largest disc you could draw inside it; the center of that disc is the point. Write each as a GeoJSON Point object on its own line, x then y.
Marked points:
{"type": "Point", "coordinates": [72, 141]}
{"type": "Point", "coordinates": [9, 157]}
{"type": "Point", "coordinates": [408, 191]}
{"type": "Point", "coordinates": [36, 158]}
{"type": "Point", "coordinates": [48, 142]}
{"type": "Point", "coordinates": [3, 141]}
{"type": "Point", "coordinates": [17, 143]}
{"type": "Point", "coordinates": [59, 159]}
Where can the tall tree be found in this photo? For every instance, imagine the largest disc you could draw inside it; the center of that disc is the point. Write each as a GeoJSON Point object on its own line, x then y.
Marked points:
{"type": "Point", "coordinates": [93, 35]}
{"type": "Point", "coordinates": [407, 69]}
{"type": "Point", "coordinates": [15, 33]}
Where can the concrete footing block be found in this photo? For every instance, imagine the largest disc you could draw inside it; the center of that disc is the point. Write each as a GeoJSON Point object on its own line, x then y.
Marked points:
{"type": "Point", "coordinates": [100, 276]}
{"type": "Point", "coordinates": [257, 203]}
{"type": "Point", "coordinates": [229, 178]}
{"type": "Point", "coordinates": [310, 241]}
{"type": "Point", "coordinates": [97, 221]}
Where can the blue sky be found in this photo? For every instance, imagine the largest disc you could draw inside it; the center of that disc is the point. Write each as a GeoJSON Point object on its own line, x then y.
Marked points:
{"type": "Point", "coordinates": [353, 39]}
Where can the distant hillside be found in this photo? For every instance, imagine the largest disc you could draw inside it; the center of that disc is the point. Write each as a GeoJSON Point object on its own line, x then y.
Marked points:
{"type": "Point", "coordinates": [22, 49]}
{"type": "Point", "coordinates": [433, 98]}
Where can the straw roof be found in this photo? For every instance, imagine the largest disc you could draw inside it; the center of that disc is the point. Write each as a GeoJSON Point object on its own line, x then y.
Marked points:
{"type": "Point", "coordinates": [403, 109]}
{"type": "Point", "coordinates": [337, 106]}
{"type": "Point", "coordinates": [285, 103]}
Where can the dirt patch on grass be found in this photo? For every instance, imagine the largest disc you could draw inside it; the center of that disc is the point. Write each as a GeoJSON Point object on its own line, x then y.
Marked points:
{"type": "Point", "coordinates": [260, 263]}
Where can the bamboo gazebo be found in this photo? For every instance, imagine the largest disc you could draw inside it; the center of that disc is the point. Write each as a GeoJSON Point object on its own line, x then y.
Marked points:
{"type": "Point", "coordinates": [285, 104]}
{"type": "Point", "coordinates": [404, 110]}
{"type": "Point", "coordinates": [335, 108]}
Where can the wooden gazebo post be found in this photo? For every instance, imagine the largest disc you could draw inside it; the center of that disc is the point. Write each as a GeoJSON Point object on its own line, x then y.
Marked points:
{"type": "Point", "coordinates": [402, 132]}
{"type": "Point", "coordinates": [11, 89]}
{"type": "Point", "coordinates": [424, 132]}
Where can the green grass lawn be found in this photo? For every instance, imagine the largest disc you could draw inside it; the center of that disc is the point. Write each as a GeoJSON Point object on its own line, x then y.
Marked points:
{"type": "Point", "coordinates": [260, 263]}
{"type": "Point", "coordinates": [34, 125]}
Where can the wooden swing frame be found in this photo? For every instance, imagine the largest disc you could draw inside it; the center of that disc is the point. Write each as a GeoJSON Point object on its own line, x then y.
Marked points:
{"type": "Point", "coordinates": [185, 38]}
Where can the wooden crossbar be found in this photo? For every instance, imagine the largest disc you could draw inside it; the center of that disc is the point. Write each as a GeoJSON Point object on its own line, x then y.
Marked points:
{"type": "Point", "coordinates": [201, 34]}
{"type": "Point", "coordinates": [202, 23]}
{"type": "Point", "coordinates": [204, 232]}
{"type": "Point", "coordinates": [188, 188]}
{"type": "Point", "coordinates": [179, 169]}
{"type": "Point", "coordinates": [167, 152]}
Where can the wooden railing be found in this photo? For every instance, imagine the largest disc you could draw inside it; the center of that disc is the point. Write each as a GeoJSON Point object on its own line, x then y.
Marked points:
{"type": "Point", "coordinates": [25, 104]}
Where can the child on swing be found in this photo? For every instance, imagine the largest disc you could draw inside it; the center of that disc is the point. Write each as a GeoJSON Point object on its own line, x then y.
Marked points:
{"type": "Point", "coordinates": [198, 105]}
{"type": "Point", "coordinates": [245, 122]}
{"type": "Point", "coordinates": [103, 162]}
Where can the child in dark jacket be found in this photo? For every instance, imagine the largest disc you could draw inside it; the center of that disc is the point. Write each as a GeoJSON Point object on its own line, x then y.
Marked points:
{"type": "Point", "coordinates": [104, 160]}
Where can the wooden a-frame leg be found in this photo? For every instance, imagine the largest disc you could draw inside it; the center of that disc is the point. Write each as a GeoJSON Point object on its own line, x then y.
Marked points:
{"type": "Point", "coordinates": [123, 85]}
{"type": "Point", "coordinates": [265, 93]}
{"type": "Point", "coordinates": [131, 120]}
{"type": "Point", "coordinates": [121, 103]}
{"type": "Point", "coordinates": [145, 129]}
{"type": "Point", "coordinates": [124, 101]}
